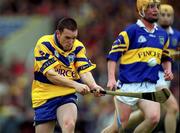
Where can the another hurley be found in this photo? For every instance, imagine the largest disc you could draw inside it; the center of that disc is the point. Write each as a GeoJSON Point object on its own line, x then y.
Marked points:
{"type": "Point", "coordinates": [158, 96]}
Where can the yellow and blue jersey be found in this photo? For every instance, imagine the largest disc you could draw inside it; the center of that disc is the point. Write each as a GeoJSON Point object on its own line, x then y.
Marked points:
{"type": "Point", "coordinates": [134, 47]}
{"type": "Point", "coordinates": [48, 54]}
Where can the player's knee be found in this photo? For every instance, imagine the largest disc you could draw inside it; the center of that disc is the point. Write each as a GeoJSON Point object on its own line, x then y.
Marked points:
{"type": "Point", "coordinates": [154, 119]}
{"type": "Point", "coordinates": [173, 109]}
{"type": "Point", "coordinates": [68, 125]}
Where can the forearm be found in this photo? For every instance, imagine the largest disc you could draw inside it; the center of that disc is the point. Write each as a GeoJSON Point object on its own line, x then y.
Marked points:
{"type": "Point", "coordinates": [59, 80]}
{"type": "Point", "coordinates": [88, 79]}
{"type": "Point", "coordinates": [111, 66]}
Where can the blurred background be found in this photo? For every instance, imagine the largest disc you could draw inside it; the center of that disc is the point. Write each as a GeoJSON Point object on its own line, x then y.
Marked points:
{"type": "Point", "coordinates": [22, 22]}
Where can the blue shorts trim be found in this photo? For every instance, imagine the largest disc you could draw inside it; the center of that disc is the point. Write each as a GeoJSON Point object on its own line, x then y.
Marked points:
{"type": "Point", "coordinates": [47, 111]}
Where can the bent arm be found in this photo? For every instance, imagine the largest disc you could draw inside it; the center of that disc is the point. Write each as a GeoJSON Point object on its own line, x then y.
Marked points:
{"type": "Point", "coordinates": [88, 79]}
{"type": "Point", "coordinates": [59, 80]}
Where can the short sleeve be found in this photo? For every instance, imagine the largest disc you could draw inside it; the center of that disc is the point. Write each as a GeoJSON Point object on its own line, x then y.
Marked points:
{"type": "Point", "coordinates": [119, 46]}
{"type": "Point", "coordinates": [82, 63]}
{"type": "Point", "coordinates": [44, 59]}
{"type": "Point", "coordinates": [166, 54]}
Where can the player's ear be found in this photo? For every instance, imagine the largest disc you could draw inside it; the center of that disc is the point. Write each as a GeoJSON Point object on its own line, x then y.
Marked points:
{"type": "Point", "coordinates": [58, 33]}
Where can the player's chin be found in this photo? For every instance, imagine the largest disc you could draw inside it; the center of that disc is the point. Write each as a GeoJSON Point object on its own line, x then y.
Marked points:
{"type": "Point", "coordinates": [68, 47]}
{"type": "Point", "coordinates": [154, 19]}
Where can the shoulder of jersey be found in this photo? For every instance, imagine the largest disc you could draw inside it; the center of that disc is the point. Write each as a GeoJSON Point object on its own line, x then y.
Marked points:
{"type": "Point", "coordinates": [45, 38]}
{"type": "Point", "coordinates": [78, 43]}
{"type": "Point", "coordinates": [131, 27]}
{"type": "Point", "coordinates": [161, 29]}
{"type": "Point", "coordinates": [176, 31]}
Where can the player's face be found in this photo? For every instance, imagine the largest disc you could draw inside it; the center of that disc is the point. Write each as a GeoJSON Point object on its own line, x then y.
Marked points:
{"type": "Point", "coordinates": [165, 18]}
{"type": "Point", "coordinates": [152, 12]}
{"type": "Point", "coordinates": [67, 38]}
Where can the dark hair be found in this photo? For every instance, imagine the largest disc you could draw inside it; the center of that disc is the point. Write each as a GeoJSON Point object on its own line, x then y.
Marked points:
{"type": "Point", "coordinates": [67, 23]}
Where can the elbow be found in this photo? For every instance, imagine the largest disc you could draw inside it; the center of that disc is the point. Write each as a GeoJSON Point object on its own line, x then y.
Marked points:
{"type": "Point", "coordinates": [47, 74]}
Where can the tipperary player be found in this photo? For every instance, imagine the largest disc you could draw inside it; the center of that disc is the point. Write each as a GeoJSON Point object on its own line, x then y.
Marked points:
{"type": "Point", "coordinates": [60, 63]}
{"type": "Point", "coordinates": [165, 20]}
{"type": "Point", "coordinates": [132, 50]}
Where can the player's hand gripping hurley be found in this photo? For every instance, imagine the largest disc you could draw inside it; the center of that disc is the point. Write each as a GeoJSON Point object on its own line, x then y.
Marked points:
{"type": "Point", "coordinates": [158, 96]}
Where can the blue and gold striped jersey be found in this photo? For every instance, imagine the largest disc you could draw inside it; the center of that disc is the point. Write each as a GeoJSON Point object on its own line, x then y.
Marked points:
{"type": "Point", "coordinates": [174, 40]}
{"type": "Point", "coordinates": [48, 54]}
{"type": "Point", "coordinates": [134, 47]}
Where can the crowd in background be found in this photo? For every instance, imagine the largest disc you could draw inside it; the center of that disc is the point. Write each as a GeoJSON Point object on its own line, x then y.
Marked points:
{"type": "Point", "coordinates": [99, 22]}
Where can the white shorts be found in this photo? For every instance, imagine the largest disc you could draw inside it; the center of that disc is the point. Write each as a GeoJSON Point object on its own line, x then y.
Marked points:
{"type": "Point", "coordinates": [162, 83]}
{"type": "Point", "coordinates": [134, 87]}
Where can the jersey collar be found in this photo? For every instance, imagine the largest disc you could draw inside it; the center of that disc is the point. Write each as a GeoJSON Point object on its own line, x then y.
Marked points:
{"type": "Point", "coordinates": [170, 30]}
{"type": "Point", "coordinates": [141, 24]}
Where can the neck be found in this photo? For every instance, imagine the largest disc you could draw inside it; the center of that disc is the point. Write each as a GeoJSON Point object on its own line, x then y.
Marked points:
{"type": "Point", "coordinates": [148, 25]}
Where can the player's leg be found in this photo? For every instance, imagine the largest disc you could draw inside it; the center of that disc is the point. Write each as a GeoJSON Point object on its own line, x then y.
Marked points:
{"type": "Point", "coordinates": [151, 112]}
{"type": "Point", "coordinates": [122, 113]}
{"type": "Point", "coordinates": [47, 127]}
{"type": "Point", "coordinates": [171, 107]}
{"type": "Point", "coordinates": [67, 116]}
{"type": "Point", "coordinates": [136, 118]}
{"type": "Point", "coordinates": [123, 123]}
{"type": "Point", "coordinates": [45, 117]}
{"type": "Point", "coordinates": [67, 113]}
{"type": "Point", "coordinates": [113, 128]}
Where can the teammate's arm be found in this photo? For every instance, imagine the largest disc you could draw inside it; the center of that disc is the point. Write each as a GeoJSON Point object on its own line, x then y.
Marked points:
{"type": "Point", "coordinates": [166, 62]}
{"type": "Point", "coordinates": [57, 79]}
{"type": "Point", "coordinates": [167, 70]}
